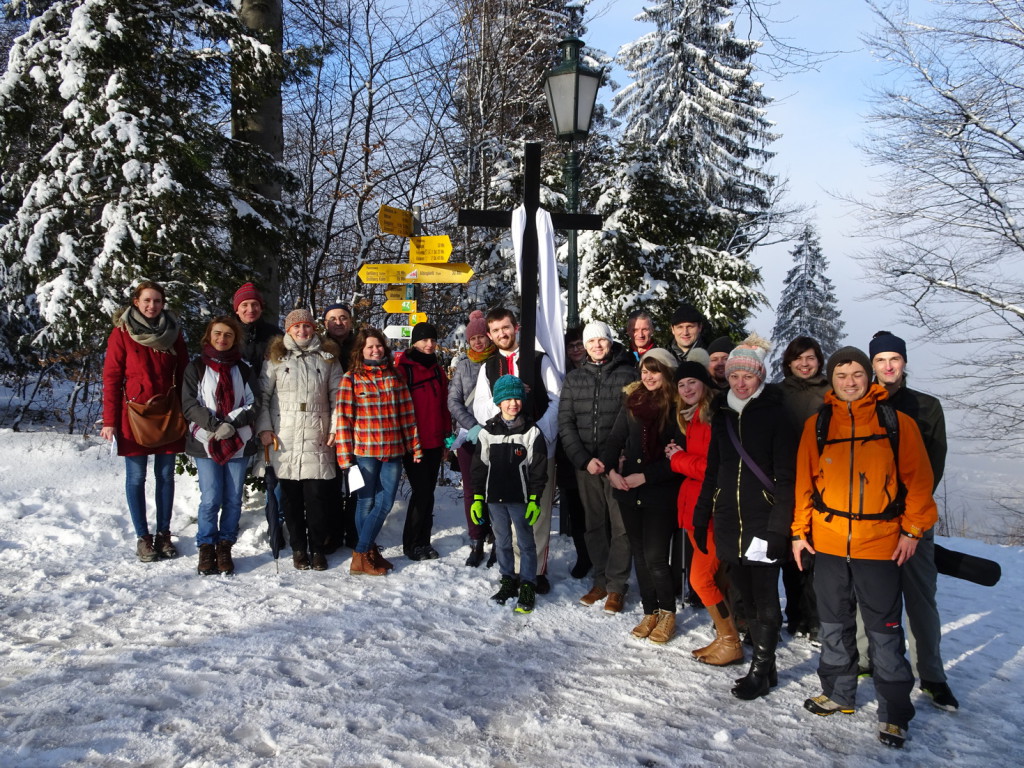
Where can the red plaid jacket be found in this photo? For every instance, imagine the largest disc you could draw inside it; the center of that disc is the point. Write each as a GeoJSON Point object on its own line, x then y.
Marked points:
{"type": "Point", "coordinates": [375, 417]}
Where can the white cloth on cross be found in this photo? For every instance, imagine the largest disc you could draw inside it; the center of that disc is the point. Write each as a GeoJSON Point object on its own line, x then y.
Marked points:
{"type": "Point", "coordinates": [550, 307]}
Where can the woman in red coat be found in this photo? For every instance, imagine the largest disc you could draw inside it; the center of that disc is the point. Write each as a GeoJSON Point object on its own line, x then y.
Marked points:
{"type": "Point", "coordinates": [146, 356]}
{"type": "Point", "coordinates": [695, 393]}
{"type": "Point", "coordinates": [419, 368]}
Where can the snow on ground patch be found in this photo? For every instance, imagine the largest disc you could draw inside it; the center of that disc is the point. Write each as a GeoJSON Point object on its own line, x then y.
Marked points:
{"type": "Point", "coordinates": [105, 661]}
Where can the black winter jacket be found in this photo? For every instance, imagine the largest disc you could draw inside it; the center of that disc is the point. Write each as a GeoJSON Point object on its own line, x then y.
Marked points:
{"type": "Point", "coordinates": [742, 507]}
{"type": "Point", "coordinates": [661, 484]}
{"type": "Point", "coordinates": [927, 412]}
{"type": "Point", "coordinates": [803, 398]}
{"type": "Point", "coordinates": [510, 463]}
{"type": "Point", "coordinates": [590, 404]}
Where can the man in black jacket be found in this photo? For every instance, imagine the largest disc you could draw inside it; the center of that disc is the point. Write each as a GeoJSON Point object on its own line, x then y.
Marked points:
{"type": "Point", "coordinates": [590, 403]}
{"type": "Point", "coordinates": [919, 575]}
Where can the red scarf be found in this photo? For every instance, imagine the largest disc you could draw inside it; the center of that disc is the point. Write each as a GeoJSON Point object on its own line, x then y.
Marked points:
{"type": "Point", "coordinates": [221, 451]}
{"type": "Point", "coordinates": [651, 418]}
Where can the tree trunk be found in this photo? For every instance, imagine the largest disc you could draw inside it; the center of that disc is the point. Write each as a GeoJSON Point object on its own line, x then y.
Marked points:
{"type": "Point", "coordinates": [265, 129]}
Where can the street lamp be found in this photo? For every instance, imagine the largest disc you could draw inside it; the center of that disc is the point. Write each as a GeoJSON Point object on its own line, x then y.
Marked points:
{"type": "Point", "coordinates": [571, 88]}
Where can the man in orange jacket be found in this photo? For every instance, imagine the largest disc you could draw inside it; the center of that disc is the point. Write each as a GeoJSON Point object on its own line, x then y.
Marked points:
{"type": "Point", "coordinates": [865, 510]}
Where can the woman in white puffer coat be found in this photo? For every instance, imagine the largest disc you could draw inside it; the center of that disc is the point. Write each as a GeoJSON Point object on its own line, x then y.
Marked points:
{"type": "Point", "coordinates": [298, 387]}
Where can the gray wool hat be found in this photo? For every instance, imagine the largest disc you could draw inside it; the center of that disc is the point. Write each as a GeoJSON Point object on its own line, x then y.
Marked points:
{"type": "Point", "coordinates": [845, 355]}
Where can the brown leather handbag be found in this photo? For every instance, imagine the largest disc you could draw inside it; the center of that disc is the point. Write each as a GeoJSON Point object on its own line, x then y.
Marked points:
{"type": "Point", "coordinates": [158, 421]}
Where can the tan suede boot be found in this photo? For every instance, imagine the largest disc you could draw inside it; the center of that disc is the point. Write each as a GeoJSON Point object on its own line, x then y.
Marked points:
{"type": "Point", "coordinates": [643, 629]}
{"type": "Point", "coordinates": [666, 628]}
{"type": "Point", "coordinates": [727, 647]}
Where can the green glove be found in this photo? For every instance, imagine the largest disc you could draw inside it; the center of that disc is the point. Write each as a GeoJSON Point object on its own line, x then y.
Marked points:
{"type": "Point", "coordinates": [476, 509]}
{"type": "Point", "coordinates": [532, 510]}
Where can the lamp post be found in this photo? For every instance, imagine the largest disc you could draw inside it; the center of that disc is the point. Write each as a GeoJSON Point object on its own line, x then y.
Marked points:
{"type": "Point", "coordinates": [571, 88]}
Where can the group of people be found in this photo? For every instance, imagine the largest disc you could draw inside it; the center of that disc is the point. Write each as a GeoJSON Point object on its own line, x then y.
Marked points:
{"type": "Point", "coordinates": [661, 455]}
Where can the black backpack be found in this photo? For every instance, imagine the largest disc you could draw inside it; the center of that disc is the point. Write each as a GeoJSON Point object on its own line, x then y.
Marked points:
{"type": "Point", "coordinates": [889, 421]}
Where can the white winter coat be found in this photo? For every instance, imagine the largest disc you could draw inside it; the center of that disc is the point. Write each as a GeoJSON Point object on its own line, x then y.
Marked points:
{"type": "Point", "coordinates": [298, 388]}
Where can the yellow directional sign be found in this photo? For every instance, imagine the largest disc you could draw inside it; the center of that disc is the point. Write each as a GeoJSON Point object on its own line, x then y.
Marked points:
{"type": "Point", "coordinates": [417, 317]}
{"type": "Point", "coordinates": [395, 221]}
{"type": "Point", "coordinates": [415, 273]}
{"type": "Point", "coordinates": [400, 306]}
{"type": "Point", "coordinates": [394, 292]}
{"type": "Point", "coordinates": [435, 249]}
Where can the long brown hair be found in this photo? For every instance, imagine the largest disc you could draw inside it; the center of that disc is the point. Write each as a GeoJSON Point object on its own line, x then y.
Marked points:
{"type": "Point", "coordinates": [356, 360]}
{"type": "Point", "coordinates": [665, 398]}
{"type": "Point", "coordinates": [703, 411]}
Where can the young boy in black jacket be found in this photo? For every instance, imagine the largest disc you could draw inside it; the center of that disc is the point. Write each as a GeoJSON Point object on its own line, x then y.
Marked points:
{"type": "Point", "coordinates": [509, 474]}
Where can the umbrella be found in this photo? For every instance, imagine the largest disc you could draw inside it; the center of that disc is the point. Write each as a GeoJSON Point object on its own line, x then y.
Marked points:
{"type": "Point", "coordinates": [275, 516]}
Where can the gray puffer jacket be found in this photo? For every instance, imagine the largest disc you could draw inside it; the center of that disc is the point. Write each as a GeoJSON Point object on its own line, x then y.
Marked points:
{"type": "Point", "coordinates": [460, 392]}
{"type": "Point", "coordinates": [298, 388]}
{"type": "Point", "coordinates": [590, 403]}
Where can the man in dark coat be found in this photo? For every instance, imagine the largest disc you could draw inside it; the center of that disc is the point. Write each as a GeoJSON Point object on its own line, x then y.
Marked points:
{"type": "Point", "coordinates": [889, 360]}
{"type": "Point", "coordinates": [590, 403]}
{"type": "Point", "coordinates": [687, 329]}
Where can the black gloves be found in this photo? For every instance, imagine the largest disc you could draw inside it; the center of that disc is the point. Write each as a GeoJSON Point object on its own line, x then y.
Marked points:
{"type": "Point", "coordinates": [700, 538]}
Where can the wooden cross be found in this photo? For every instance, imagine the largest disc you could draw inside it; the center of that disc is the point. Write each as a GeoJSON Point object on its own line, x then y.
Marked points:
{"type": "Point", "coordinates": [530, 277]}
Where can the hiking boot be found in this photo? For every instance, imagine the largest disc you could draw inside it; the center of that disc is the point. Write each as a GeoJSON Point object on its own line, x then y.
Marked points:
{"type": "Point", "coordinates": [363, 566]}
{"type": "Point", "coordinates": [824, 706]}
{"type": "Point", "coordinates": [527, 598]}
{"type": "Point", "coordinates": [647, 623]}
{"type": "Point", "coordinates": [595, 594]}
{"type": "Point", "coordinates": [224, 562]}
{"type": "Point", "coordinates": [493, 557]}
{"type": "Point", "coordinates": [665, 629]}
{"type": "Point", "coordinates": [614, 602]}
{"type": "Point", "coordinates": [892, 735]}
{"type": "Point", "coordinates": [163, 546]}
{"type": "Point", "coordinates": [506, 589]}
{"type": "Point", "coordinates": [207, 560]}
{"type": "Point", "coordinates": [543, 585]}
{"type": "Point", "coordinates": [319, 561]}
{"type": "Point", "coordinates": [942, 697]}
{"type": "Point", "coordinates": [476, 553]}
{"type": "Point", "coordinates": [300, 560]}
{"type": "Point", "coordinates": [377, 559]}
{"type": "Point", "coordinates": [863, 672]}
{"type": "Point", "coordinates": [144, 549]}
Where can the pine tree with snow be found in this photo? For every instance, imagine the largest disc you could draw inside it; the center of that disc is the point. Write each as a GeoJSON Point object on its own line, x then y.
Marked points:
{"type": "Point", "coordinates": [116, 164]}
{"type": "Point", "coordinates": [688, 200]}
{"type": "Point", "coordinates": [808, 306]}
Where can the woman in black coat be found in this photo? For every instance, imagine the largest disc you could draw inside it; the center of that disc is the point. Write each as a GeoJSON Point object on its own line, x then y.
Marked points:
{"type": "Point", "coordinates": [646, 488]}
{"type": "Point", "coordinates": [748, 488]}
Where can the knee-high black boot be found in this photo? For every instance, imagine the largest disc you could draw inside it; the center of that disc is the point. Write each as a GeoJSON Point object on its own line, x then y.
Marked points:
{"type": "Point", "coordinates": [762, 675]}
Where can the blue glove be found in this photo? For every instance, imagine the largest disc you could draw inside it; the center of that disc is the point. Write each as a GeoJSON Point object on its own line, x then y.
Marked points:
{"type": "Point", "coordinates": [472, 434]}
{"type": "Point", "coordinates": [532, 510]}
{"type": "Point", "coordinates": [476, 509]}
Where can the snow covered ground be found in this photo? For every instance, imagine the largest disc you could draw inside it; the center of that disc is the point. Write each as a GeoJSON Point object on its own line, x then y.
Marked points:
{"type": "Point", "coordinates": [105, 661]}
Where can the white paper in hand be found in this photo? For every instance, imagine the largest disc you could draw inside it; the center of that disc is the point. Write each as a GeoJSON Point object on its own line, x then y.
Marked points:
{"type": "Point", "coordinates": [757, 552]}
{"type": "Point", "coordinates": [355, 479]}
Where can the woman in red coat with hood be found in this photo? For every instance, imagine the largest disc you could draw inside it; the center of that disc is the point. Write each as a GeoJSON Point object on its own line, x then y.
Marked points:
{"type": "Point", "coordinates": [146, 356]}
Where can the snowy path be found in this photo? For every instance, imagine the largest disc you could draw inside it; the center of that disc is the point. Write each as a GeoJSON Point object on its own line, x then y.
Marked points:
{"type": "Point", "coordinates": [108, 662]}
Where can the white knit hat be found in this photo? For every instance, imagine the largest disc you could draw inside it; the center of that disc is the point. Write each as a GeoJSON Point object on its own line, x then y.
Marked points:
{"type": "Point", "coordinates": [596, 330]}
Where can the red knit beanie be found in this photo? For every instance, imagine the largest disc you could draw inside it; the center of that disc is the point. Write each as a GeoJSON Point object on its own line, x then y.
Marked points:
{"type": "Point", "coordinates": [245, 293]}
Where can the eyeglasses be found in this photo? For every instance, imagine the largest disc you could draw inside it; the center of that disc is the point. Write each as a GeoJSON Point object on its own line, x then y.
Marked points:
{"type": "Point", "coordinates": [576, 345]}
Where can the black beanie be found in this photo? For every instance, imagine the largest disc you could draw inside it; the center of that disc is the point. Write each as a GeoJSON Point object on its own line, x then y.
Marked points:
{"type": "Point", "coordinates": [422, 331]}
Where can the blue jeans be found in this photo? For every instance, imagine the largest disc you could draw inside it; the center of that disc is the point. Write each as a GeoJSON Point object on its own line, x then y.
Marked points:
{"type": "Point", "coordinates": [220, 490]}
{"type": "Point", "coordinates": [503, 517]}
{"type": "Point", "coordinates": [135, 489]}
{"type": "Point", "coordinates": [376, 498]}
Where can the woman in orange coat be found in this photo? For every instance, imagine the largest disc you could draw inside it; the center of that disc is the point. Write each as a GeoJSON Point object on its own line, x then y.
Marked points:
{"type": "Point", "coordinates": [695, 393]}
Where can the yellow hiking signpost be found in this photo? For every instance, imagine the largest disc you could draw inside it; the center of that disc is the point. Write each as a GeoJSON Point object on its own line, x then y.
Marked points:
{"type": "Point", "coordinates": [415, 273]}
{"type": "Point", "coordinates": [435, 249]}
{"type": "Point", "coordinates": [395, 221]}
{"type": "Point", "coordinates": [400, 306]}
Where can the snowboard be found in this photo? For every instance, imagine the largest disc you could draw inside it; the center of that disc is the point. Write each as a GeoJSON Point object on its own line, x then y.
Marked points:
{"type": "Point", "coordinates": [967, 567]}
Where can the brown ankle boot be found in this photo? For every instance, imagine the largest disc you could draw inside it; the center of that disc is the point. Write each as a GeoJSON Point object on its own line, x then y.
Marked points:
{"type": "Point", "coordinates": [377, 559]}
{"type": "Point", "coordinates": [727, 648]}
{"type": "Point", "coordinates": [647, 623]}
{"type": "Point", "coordinates": [361, 566]}
{"type": "Point", "coordinates": [666, 628]}
{"type": "Point", "coordinates": [224, 562]}
{"type": "Point", "coordinates": [207, 565]}
{"type": "Point", "coordinates": [163, 545]}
